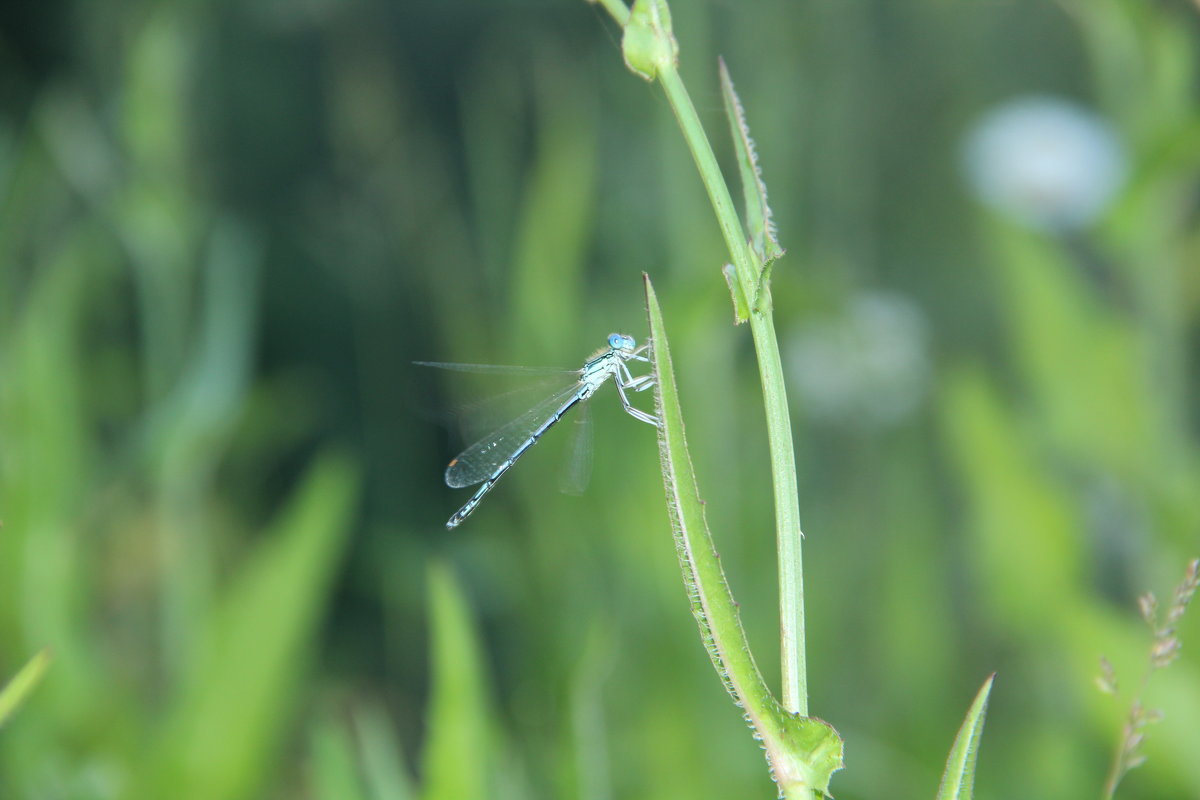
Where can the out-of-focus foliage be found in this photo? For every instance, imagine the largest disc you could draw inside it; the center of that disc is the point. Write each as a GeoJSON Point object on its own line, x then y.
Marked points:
{"type": "Point", "coordinates": [227, 228]}
{"type": "Point", "coordinates": [14, 692]}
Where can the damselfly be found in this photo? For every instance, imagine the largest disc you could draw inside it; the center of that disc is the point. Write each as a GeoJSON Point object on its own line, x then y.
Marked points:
{"type": "Point", "coordinates": [488, 459]}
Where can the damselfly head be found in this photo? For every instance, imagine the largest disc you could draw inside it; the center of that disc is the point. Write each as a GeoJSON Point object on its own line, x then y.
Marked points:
{"type": "Point", "coordinates": [619, 341]}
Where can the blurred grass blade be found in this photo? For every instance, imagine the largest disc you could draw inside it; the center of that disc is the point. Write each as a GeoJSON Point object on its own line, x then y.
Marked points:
{"type": "Point", "coordinates": [759, 222]}
{"type": "Point", "coordinates": [804, 752]}
{"type": "Point", "coordinates": [958, 781]}
{"type": "Point", "coordinates": [590, 755]}
{"type": "Point", "coordinates": [557, 214]}
{"type": "Point", "coordinates": [23, 683]}
{"type": "Point", "coordinates": [384, 772]}
{"type": "Point", "coordinates": [459, 745]}
{"type": "Point", "coordinates": [333, 766]}
{"type": "Point", "coordinates": [233, 713]}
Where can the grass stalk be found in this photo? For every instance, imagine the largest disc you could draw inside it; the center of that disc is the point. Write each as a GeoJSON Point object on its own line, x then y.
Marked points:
{"type": "Point", "coordinates": [747, 269]}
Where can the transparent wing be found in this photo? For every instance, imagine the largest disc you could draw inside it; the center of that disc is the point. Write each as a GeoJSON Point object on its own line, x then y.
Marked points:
{"type": "Point", "coordinates": [481, 460]}
{"type": "Point", "coordinates": [500, 394]}
{"type": "Point", "coordinates": [498, 369]}
{"type": "Point", "coordinates": [578, 468]}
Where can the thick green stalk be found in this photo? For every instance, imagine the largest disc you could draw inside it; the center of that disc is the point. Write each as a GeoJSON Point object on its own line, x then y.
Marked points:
{"type": "Point", "coordinates": [779, 428]}
{"type": "Point", "coordinates": [803, 751]}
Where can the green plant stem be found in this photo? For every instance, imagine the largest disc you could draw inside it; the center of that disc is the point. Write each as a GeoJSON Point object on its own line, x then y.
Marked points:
{"type": "Point", "coordinates": [779, 429]}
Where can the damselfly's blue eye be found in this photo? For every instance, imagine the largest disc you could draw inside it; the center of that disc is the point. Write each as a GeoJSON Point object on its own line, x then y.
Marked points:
{"type": "Point", "coordinates": [619, 341]}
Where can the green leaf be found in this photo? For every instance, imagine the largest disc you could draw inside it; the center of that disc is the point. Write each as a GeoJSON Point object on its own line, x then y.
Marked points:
{"type": "Point", "coordinates": [589, 758]}
{"type": "Point", "coordinates": [459, 748]}
{"type": "Point", "coordinates": [23, 683]}
{"type": "Point", "coordinates": [712, 601]}
{"type": "Point", "coordinates": [384, 771]}
{"type": "Point", "coordinates": [958, 781]}
{"type": "Point", "coordinates": [233, 712]}
{"type": "Point", "coordinates": [759, 222]}
{"type": "Point", "coordinates": [557, 213]}
{"type": "Point", "coordinates": [741, 309]}
{"type": "Point", "coordinates": [814, 752]}
{"type": "Point", "coordinates": [333, 765]}
{"type": "Point", "coordinates": [804, 752]}
{"type": "Point", "coordinates": [648, 44]}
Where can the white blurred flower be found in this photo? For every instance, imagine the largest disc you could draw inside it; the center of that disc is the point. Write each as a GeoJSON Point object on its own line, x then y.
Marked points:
{"type": "Point", "coordinates": [1045, 162]}
{"type": "Point", "coordinates": [869, 367]}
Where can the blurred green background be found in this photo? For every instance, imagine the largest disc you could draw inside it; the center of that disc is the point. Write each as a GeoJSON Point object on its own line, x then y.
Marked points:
{"type": "Point", "coordinates": [227, 228]}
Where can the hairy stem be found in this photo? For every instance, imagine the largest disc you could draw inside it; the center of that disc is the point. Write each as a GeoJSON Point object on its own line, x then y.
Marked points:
{"type": "Point", "coordinates": [779, 428]}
